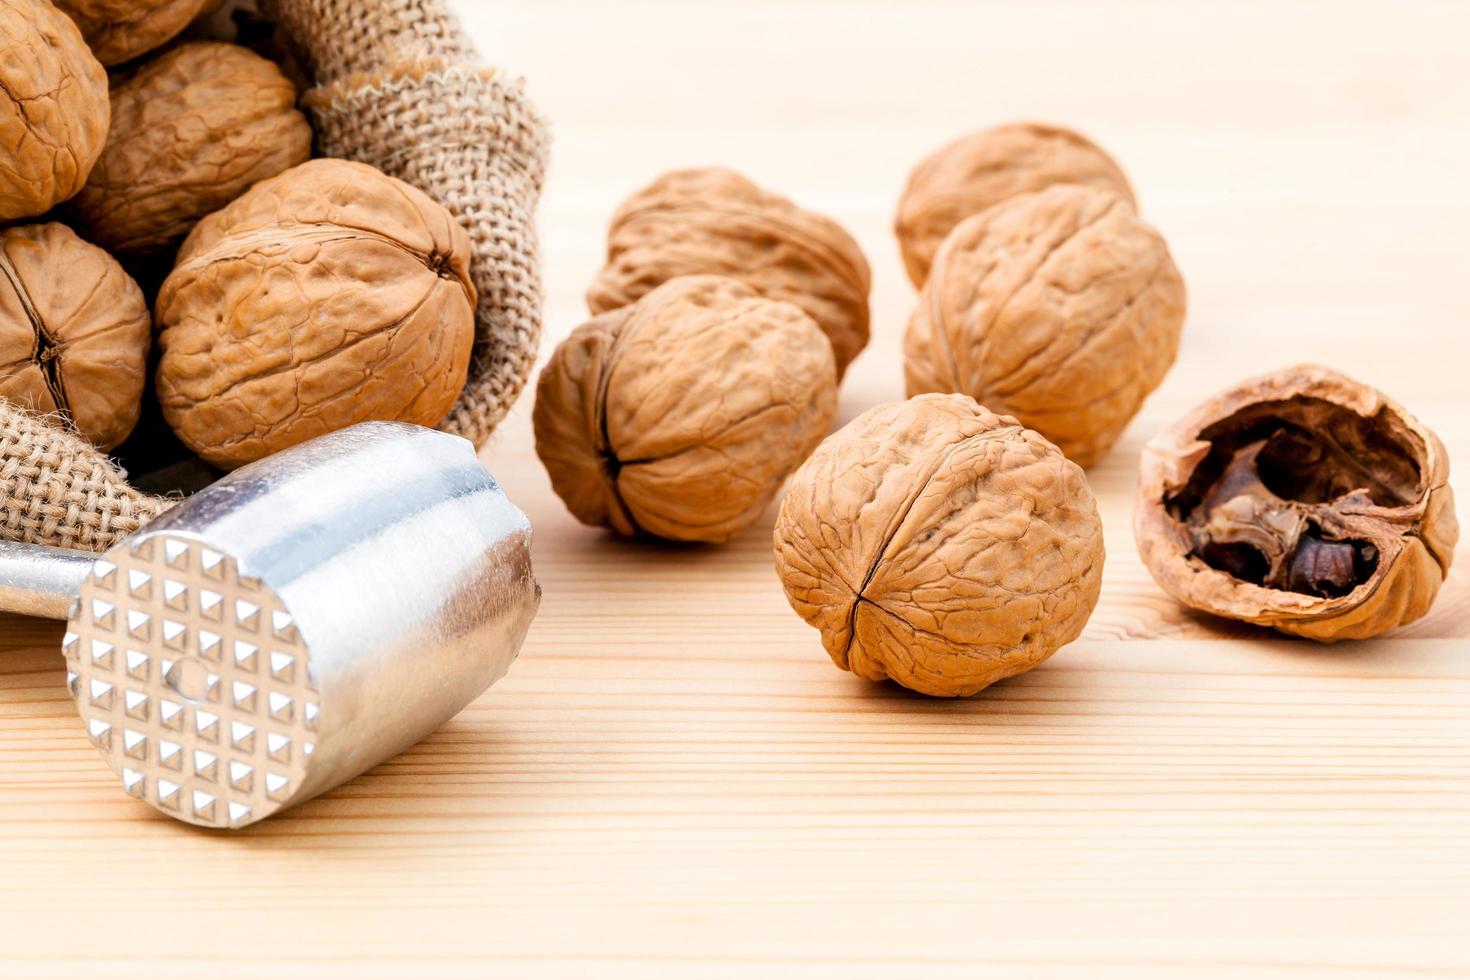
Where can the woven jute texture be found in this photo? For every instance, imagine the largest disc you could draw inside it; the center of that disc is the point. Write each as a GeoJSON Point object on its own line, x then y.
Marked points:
{"type": "Point", "coordinates": [396, 84]}
{"type": "Point", "coordinates": [56, 489]}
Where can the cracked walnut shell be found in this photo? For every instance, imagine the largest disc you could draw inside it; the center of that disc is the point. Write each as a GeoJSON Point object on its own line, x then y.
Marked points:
{"type": "Point", "coordinates": [74, 332]}
{"type": "Point", "coordinates": [53, 108]}
{"type": "Point", "coordinates": [328, 295]}
{"type": "Point", "coordinates": [120, 30]}
{"type": "Point", "coordinates": [1061, 308]}
{"type": "Point", "coordinates": [191, 131]}
{"type": "Point", "coordinates": [940, 545]}
{"type": "Point", "coordinates": [681, 415]}
{"type": "Point", "coordinates": [714, 221]}
{"type": "Point", "coordinates": [984, 168]}
{"type": "Point", "coordinates": [1301, 500]}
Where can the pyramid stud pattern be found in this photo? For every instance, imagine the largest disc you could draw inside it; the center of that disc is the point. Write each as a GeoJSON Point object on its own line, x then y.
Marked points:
{"type": "Point", "coordinates": [193, 681]}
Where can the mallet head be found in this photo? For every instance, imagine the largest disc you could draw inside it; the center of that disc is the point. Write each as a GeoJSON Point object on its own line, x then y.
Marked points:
{"type": "Point", "coordinates": [300, 621]}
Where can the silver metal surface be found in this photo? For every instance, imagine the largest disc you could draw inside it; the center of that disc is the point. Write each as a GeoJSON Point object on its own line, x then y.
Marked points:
{"type": "Point", "coordinates": [303, 619]}
{"type": "Point", "coordinates": [40, 581]}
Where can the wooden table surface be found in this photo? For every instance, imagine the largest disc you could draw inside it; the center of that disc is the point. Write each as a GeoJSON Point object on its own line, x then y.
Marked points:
{"type": "Point", "coordinates": [674, 781]}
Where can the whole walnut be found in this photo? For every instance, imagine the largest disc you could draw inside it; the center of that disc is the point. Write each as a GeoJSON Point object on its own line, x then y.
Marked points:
{"type": "Point", "coordinates": [74, 332]}
{"type": "Point", "coordinates": [191, 131]}
{"type": "Point", "coordinates": [1061, 308]}
{"type": "Point", "coordinates": [120, 30]}
{"type": "Point", "coordinates": [714, 221]}
{"type": "Point", "coordinates": [984, 168]}
{"type": "Point", "coordinates": [328, 295]}
{"type": "Point", "coordinates": [1301, 500]}
{"type": "Point", "coordinates": [679, 416]}
{"type": "Point", "coordinates": [53, 108]}
{"type": "Point", "coordinates": [940, 545]}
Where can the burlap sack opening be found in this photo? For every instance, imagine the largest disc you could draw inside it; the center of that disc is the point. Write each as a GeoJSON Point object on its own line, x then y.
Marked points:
{"type": "Point", "coordinates": [396, 84]}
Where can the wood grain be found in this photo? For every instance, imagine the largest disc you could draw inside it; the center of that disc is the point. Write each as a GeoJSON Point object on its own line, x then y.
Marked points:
{"type": "Point", "coordinates": [675, 782]}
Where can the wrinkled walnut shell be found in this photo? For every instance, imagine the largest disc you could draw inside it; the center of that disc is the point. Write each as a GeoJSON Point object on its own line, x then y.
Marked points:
{"type": "Point", "coordinates": [53, 108]}
{"type": "Point", "coordinates": [984, 168]}
{"type": "Point", "coordinates": [120, 30]}
{"type": "Point", "coordinates": [1062, 308]}
{"type": "Point", "coordinates": [714, 221]}
{"type": "Point", "coordinates": [74, 332]}
{"type": "Point", "coordinates": [329, 295]}
{"type": "Point", "coordinates": [191, 131]}
{"type": "Point", "coordinates": [1301, 500]}
{"type": "Point", "coordinates": [940, 545]}
{"type": "Point", "coordinates": [680, 416]}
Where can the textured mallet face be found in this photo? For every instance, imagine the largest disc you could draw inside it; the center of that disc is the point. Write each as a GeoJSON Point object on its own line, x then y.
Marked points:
{"type": "Point", "coordinates": [192, 681]}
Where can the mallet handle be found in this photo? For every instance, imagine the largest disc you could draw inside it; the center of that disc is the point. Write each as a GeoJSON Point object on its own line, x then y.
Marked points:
{"type": "Point", "coordinates": [39, 581]}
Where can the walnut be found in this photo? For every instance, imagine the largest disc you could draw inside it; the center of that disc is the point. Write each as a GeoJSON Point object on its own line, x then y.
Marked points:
{"type": "Point", "coordinates": [1301, 500]}
{"type": "Point", "coordinates": [1061, 308]}
{"type": "Point", "coordinates": [714, 221]}
{"type": "Point", "coordinates": [74, 332]}
{"type": "Point", "coordinates": [940, 545]}
{"type": "Point", "coordinates": [680, 416]}
{"type": "Point", "coordinates": [53, 108]}
{"type": "Point", "coordinates": [120, 30]}
{"type": "Point", "coordinates": [984, 168]}
{"type": "Point", "coordinates": [191, 131]}
{"type": "Point", "coordinates": [328, 295]}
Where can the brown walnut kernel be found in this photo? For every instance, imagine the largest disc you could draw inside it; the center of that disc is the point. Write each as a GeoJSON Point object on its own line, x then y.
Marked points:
{"type": "Point", "coordinates": [53, 108]}
{"type": "Point", "coordinates": [1062, 308]}
{"type": "Point", "coordinates": [120, 30]}
{"type": "Point", "coordinates": [328, 295]}
{"type": "Point", "coordinates": [191, 131]}
{"type": "Point", "coordinates": [940, 545]}
{"type": "Point", "coordinates": [714, 221]}
{"type": "Point", "coordinates": [680, 416]}
{"type": "Point", "coordinates": [984, 168]}
{"type": "Point", "coordinates": [74, 332]}
{"type": "Point", "coordinates": [1301, 500]}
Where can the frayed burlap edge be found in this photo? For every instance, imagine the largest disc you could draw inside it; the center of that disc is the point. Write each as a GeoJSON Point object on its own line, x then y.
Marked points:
{"type": "Point", "coordinates": [398, 86]}
{"type": "Point", "coordinates": [468, 137]}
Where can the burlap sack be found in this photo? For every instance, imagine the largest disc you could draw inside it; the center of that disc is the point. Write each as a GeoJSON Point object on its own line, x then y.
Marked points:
{"type": "Point", "coordinates": [396, 84]}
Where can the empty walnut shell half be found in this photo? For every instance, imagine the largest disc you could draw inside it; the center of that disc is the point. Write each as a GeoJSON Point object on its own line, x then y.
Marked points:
{"type": "Point", "coordinates": [681, 415]}
{"type": "Point", "coordinates": [1301, 500]}
{"type": "Point", "coordinates": [714, 221]}
{"type": "Point", "coordinates": [74, 332]}
{"type": "Point", "coordinates": [192, 130]}
{"type": "Point", "coordinates": [985, 168]}
{"type": "Point", "coordinates": [1062, 308]}
{"type": "Point", "coordinates": [120, 30]}
{"type": "Point", "coordinates": [53, 108]}
{"type": "Point", "coordinates": [941, 545]}
{"type": "Point", "coordinates": [328, 295]}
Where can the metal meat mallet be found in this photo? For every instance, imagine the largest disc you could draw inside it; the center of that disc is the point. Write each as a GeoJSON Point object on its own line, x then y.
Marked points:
{"type": "Point", "coordinates": [291, 626]}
